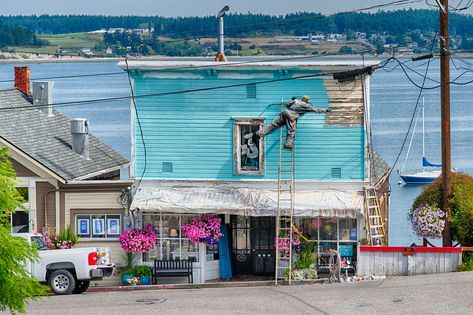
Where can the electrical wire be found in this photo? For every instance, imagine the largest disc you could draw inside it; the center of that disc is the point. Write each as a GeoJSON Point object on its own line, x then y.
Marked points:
{"type": "Point", "coordinates": [413, 113]}
{"type": "Point", "coordinates": [145, 152]}
{"type": "Point", "coordinates": [378, 6]}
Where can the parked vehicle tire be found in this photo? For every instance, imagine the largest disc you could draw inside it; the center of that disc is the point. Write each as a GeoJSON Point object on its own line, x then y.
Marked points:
{"type": "Point", "coordinates": [81, 287]}
{"type": "Point", "coordinates": [62, 282]}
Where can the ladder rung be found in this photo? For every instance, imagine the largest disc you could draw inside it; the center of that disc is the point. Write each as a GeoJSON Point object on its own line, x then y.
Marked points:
{"type": "Point", "coordinates": [377, 236]}
{"type": "Point", "coordinates": [374, 217]}
{"type": "Point", "coordinates": [376, 226]}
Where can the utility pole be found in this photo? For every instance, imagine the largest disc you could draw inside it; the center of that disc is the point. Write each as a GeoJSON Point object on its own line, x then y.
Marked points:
{"type": "Point", "coordinates": [445, 118]}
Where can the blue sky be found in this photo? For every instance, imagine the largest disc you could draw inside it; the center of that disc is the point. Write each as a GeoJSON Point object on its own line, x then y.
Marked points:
{"type": "Point", "coordinates": [183, 7]}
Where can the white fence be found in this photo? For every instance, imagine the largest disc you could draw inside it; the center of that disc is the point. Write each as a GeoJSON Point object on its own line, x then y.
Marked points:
{"type": "Point", "coordinates": [406, 261]}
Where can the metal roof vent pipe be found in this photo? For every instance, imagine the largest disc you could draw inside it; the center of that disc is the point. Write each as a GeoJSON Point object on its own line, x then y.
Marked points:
{"type": "Point", "coordinates": [221, 35]}
{"type": "Point", "coordinates": [43, 96]}
{"type": "Point", "coordinates": [80, 137]}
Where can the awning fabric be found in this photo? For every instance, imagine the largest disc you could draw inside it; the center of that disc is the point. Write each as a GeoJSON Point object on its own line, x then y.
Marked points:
{"type": "Point", "coordinates": [245, 201]}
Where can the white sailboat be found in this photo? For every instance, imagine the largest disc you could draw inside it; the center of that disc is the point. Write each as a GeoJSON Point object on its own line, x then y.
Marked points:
{"type": "Point", "coordinates": [430, 171]}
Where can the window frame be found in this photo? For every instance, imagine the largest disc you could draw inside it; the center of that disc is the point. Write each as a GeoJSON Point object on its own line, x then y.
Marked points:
{"type": "Point", "coordinates": [91, 217]}
{"type": "Point", "coordinates": [237, 123]}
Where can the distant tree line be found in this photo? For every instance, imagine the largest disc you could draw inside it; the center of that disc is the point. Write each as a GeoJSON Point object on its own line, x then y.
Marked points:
{"type": "Point", "coordinates": [16, 35]}
{"type": "Point", "coordinates": [125, 42]}
{"type": "Point", "coordinates": [241, 25]}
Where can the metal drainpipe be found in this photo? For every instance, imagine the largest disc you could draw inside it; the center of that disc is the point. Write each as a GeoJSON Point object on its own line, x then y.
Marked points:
{"type": "Point", "coordinates": [68, 190]}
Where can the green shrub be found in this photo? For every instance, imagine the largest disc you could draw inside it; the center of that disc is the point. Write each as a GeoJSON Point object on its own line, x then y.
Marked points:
{"type": "Point", "coordinates": [461, 202]}
{"type": "Point", "coordinates": [142, 271]}
{"type": "Point", "coordinates": [467, 264]}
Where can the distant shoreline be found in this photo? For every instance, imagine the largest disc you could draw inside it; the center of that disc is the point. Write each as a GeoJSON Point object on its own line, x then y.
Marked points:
{"type": "Point", "coordinates": [76, 59]}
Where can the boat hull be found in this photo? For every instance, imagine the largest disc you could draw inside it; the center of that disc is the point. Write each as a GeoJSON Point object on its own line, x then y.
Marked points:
{"type": "Point", "coordinates": [420, 178]}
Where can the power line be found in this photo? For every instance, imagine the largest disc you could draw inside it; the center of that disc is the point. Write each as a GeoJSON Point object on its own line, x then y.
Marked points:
{"type": "Point", "coordinates": [415, 109]}
{"type": "Point", "coordinates": [388, 4]}
{"type": "Point", "coordinates": [119, 98]}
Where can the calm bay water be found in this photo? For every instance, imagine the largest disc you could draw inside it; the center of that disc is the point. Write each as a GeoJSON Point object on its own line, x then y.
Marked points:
{"type": "Point", "coordinates": [393, 99]}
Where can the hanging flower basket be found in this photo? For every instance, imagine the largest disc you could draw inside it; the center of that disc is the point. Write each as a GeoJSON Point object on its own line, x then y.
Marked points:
{"type": "Point", "coordinates": [204, 229]}
{"type": "Point", "coordinates": [138, 240]}
{"type": "Point", "coordinates": [428, 221]}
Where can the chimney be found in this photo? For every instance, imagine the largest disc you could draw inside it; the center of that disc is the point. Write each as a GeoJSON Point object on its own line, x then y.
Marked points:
{"type": "Point", "coordinates": [43, 96]}
{"type": "Point", "coordinates": [22, 79]}
{"type": "Point", "coordinates": [80, 137]}
{"type": "Point", "coordinates": [221, 35]}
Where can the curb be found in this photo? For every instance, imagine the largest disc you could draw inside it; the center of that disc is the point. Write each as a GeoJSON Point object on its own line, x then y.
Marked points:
{"type": "Point", "coordinates": [196, 286]}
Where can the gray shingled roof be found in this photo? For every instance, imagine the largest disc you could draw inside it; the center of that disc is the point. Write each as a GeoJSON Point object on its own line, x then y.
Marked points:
{"type": "Point", "coordinates": [48, 140]}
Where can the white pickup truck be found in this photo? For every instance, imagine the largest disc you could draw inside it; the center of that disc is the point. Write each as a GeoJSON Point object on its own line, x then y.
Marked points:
{"type": "Point", "coordinates": [68, 270]}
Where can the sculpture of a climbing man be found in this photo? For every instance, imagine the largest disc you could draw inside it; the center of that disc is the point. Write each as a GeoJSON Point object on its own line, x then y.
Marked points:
{"type": "Point", "coordinates": [295, 109]}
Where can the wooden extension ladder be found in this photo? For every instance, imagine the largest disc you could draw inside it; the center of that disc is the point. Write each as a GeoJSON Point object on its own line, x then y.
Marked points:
{"type": "Point", "coordinates": [285, 211]}
{"type": "Point", "coordinates": [375, 229]}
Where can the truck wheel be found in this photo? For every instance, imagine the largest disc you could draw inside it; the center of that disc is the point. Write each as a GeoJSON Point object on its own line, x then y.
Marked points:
{"type": "Point", "coordinates": [81, 287]}
{"type": "Point", "coordinates": [62, 282]}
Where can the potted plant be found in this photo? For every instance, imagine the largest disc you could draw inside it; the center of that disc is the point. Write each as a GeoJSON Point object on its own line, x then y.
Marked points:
{"type": "Point", "coordinates": [127, 270]}
{"type": "Point", "coordinates": [143, 273]}
{"type": "Point", "coordinates": [64, 240]}
{"type": "Point", "coordinates": [134, 242]}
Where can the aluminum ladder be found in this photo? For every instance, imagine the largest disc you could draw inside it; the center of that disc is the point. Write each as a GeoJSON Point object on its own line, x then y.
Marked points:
{"type": "Point", "coordinates": [376, 232]}
{"type": "Point", "coordinates": [285, 210]}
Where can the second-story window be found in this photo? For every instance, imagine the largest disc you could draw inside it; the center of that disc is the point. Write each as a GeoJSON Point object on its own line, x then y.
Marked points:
{"type": "Point", "coordinates": [248, 149]}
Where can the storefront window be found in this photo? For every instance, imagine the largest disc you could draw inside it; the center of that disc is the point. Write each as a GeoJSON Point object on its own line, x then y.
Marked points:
{"type": "Point", "coordinates": [170, 243]}
{"type": "Point", "coordinates": [331, 234]}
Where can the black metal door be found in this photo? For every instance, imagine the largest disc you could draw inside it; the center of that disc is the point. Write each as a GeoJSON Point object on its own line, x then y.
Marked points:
{"type": "Point", "coordinates": [262, 245]}
{"type": "Point", "coordinates": [241, 247]}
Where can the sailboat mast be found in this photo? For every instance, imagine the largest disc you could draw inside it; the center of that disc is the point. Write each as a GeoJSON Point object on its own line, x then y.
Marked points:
{"type": "Point", "coordinates": [423, 134]}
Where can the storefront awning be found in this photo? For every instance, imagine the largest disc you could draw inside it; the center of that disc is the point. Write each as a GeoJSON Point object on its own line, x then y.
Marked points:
{"type": "Point", "coordinates": [245, 201]}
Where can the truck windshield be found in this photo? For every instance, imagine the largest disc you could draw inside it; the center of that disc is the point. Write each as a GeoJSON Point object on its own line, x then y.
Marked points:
{"type": "Point", "coordinates": [39, 242]}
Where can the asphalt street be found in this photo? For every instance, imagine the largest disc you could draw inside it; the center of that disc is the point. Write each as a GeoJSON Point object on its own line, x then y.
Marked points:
{"type": "Point", "coordinates": [429, 294]}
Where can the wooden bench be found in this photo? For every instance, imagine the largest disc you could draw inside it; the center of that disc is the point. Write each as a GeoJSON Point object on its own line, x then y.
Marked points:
{"type": "Point", "coordinates": [172, 268]}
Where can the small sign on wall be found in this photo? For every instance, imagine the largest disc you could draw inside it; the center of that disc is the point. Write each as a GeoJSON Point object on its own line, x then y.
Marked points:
{"type": "Point", "coordinates": [113, 226]}
{"type": "Point", "coordinates": [98, 226]}
{"type": "Point", "coordinates": [83, 226]}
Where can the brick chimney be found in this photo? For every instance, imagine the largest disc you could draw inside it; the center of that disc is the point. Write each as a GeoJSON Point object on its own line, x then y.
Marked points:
{"type": "Point", "coordinates": [22, 79]}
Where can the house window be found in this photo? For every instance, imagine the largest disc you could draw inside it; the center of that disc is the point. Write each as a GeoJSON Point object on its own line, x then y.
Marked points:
{"type": "Point", "coordinates": [98, 225]}
{"type": "Point", "coordinates": [248, 149]}
{"type": "Point", "coordinates": [20, 219]}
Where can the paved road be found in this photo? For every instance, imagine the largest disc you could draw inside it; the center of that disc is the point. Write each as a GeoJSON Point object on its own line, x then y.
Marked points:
{"type": "Point", "coordinates": [430, 294]}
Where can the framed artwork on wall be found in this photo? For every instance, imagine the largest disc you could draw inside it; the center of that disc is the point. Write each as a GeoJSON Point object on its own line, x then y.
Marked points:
{"type": "Point", "coordinates": [113, 226]}
{"type": "Point", "coordinates": [98, 226]}
{"type": "Point", "coordinates": [83, 226]}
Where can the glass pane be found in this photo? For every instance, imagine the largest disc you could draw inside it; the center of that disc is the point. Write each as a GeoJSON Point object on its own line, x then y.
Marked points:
{"type": "Point", "coordinates": [170, 226]}
{"type": "Point", "coordinates": [113, 225]}
{"type": "Point", "coordinates": [325, 247]}
{"type": "Point", "coordinates": [348, 231]}
{"type": "Point", "coordinates": [83, 225]}
{"type": "Point", "coordinates": [328, 228]}
{"type": "Point", "coordinates": [310, 228]}
{"type": "Point", "coordinates": [250, 150]}
{"type": "Point", "coordinates": [20, 222]}
{"type": "Point", "coordinates": [98, 226]}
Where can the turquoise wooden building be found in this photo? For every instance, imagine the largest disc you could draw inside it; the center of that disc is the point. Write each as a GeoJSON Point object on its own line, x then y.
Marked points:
{"type": "Point", "coordinates": [191, 155]}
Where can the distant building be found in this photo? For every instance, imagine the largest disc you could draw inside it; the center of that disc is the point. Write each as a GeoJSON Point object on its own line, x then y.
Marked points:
{"type": "Point", "coordinates": [109, 51]}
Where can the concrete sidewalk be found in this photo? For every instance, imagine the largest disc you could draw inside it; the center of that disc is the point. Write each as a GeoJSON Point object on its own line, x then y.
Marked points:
{"type": "Point", "coordinates": [450, 293]}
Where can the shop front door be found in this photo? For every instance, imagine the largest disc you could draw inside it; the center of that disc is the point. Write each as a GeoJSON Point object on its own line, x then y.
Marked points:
{"type": "Point", "coordinates": [262, 245]}
{"type": "Point", "coordinates": [253, 250]}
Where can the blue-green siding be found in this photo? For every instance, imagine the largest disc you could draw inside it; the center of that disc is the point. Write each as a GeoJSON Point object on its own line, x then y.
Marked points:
{"type": "Point", "coordinates": [194, 131]}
